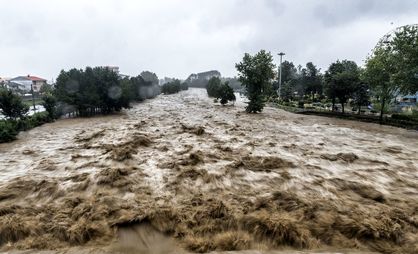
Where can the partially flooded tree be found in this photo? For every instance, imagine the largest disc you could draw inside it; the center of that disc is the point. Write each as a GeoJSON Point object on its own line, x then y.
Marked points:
{"type": "Point", "coordinates": [226, 93]}
{"type": "Point", "coordinates": [213, 86]}
{"type": "Point", "coordinates": [256, 74]}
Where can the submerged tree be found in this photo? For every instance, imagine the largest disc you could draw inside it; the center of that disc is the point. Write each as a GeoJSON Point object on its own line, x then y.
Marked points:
{"type": "Point", "coordinates": [226, 93]}
{"type": "Point", "coordinates": [256, 74]}
{"type": "Point", "coordinates": [213, 86]}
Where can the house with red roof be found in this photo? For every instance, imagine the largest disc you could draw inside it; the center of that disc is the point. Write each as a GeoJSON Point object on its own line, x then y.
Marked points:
{"type": "Point", "coordinates": [27, 83]}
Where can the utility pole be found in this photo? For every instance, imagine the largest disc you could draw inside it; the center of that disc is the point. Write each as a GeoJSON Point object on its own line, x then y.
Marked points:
{"type": "Point", "coordinates": [33, 98]}
{"type": "Point", "coordinates": [281, 54]}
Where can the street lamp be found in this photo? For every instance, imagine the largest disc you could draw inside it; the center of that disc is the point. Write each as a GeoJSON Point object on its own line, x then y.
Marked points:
{"type": "Point", "coordinates": [281, 54]}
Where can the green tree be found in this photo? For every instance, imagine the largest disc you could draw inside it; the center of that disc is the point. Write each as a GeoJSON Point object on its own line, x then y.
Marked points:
{"type": "Point", "coordinates": [94, 90]}
{"type": "Point", "coordinates": [213, 87]}
{"type": "Point", "coordinates": [50, 103]}
{"type": "Point", "coordinates": [378, 74]}
{"type": "Point", "coordinates": [286, 90]}
{"type": "Point", "coordinates": [404, 51]}
{"type": "Point", "coordinates": [341, 78]}
{"type": "Point", "coordinates": [184, 86]}
{"type": "Point", "coordinates": [312, 80]}
{"type": "Point", "coordinates": [11, 105]}
{"type": "Point", "coordinates": [226, 93]}
{"type": "Point", "coordinates": [361, 96]}
{"type": "Point", "coordinates": [46, 88]}
{"type": "Point", "coordinates": [256, 74]}
{"type": "Point", "coordinates": [289, 74]}
{"type": "Point", "coordinates": [150, 77]}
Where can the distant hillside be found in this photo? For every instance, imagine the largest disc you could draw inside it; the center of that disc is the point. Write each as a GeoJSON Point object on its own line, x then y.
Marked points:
{"type": "Point", "coordinates": [201, 79]}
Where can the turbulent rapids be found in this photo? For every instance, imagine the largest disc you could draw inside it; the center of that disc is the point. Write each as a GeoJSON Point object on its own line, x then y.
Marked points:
{"type": "Point", "coordinates": [181, 174]}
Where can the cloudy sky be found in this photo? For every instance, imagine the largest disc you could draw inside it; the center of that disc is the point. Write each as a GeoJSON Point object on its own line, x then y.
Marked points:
{"type": "Point", "coordinates": [177, 37]}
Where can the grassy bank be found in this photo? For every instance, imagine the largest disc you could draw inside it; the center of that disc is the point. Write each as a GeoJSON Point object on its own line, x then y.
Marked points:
{"type": "Point", "coordinates": [397, 120]}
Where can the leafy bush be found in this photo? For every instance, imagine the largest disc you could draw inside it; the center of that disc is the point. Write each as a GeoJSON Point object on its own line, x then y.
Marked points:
{"type": "Point", "coordinates": [8, 131]}
{"type": "Point", "coordinates": [301, 104]}
{"type": "Point", "coordinates": [33, 121]}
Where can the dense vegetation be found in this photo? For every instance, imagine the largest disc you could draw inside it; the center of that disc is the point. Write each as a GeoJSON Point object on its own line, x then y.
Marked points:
{"type": "Point", "coordinates": [100, 90]}
{"type": "Point", "coordinates": [391, 70]}
{"type": "Point", "coordinates": [78, 92]}
{"type": "Point", "coordinates": [213, 87]}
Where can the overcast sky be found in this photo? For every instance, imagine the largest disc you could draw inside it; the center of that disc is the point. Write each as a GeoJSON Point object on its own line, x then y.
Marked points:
{"type": "Point", "coordinates": [177, 37]}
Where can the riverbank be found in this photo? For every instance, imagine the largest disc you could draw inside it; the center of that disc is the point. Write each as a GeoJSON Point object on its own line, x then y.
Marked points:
{"type": "Point", "coordinates": [209, 178]}
{"type": "Point", "coordinates": [401, 123]}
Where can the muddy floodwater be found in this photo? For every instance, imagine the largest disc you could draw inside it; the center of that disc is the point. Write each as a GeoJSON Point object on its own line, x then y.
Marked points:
{"type": "Point", "coordinates": [181, 174]}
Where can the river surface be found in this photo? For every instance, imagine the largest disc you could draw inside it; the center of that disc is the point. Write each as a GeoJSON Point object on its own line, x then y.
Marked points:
{"type": "Point", "coordinates": [181, 172]}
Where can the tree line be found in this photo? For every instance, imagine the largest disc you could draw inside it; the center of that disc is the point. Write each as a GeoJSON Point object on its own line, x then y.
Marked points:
{"type": "Point", "coordinates": [100, 90]}
{"type": "Point", "coordinates": [392, 68]}
{"type": "Point", "coordinates": [76, 92]}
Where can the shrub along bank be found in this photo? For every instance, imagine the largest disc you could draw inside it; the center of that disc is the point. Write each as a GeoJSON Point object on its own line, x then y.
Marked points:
{"type": "Point", "coordinates": [9, 129]}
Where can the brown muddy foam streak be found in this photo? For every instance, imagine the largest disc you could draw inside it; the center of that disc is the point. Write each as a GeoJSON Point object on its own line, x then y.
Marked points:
{"type": "Point", "coordinates": [181, 173]}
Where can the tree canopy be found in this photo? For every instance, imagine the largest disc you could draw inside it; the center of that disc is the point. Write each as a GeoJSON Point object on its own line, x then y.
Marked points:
{"type": "Point", "coordinates": [342, 79]}
{"type": "Point", "coordinates": [256, 74]}
{"type": "Point", "coordinates": [213, 87]}
{"type": "Point", "coordinates": [404, 51]}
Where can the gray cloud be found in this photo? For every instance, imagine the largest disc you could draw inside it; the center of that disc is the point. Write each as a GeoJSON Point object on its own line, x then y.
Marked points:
{"type": "Point", "coordinates": [177, 37]}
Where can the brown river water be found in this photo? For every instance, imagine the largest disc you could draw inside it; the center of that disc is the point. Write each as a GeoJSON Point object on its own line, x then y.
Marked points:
{"type": "Point", "coordinates": [180, 174]}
